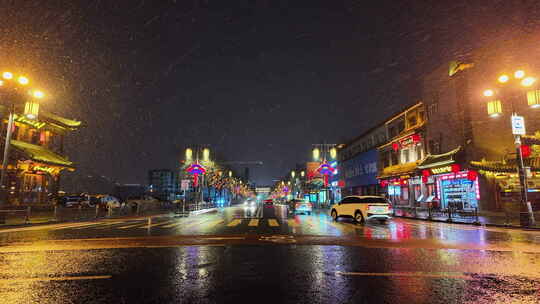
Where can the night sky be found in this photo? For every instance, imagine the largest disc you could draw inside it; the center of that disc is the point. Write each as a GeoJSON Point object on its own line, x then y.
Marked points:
{"type": "Point", "coordinates": [258, 80]}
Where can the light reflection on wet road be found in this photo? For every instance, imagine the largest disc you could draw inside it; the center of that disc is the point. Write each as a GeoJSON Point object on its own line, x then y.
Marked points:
{"type": "Point", "coordinates": [230, 255]}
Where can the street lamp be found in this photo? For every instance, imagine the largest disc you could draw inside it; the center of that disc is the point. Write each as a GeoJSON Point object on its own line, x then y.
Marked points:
{"type": "Point", "coordinates": [518, 128]}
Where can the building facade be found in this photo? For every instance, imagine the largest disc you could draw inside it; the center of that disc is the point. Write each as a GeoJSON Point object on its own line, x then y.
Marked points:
{"type": "Point", "coordinates": [36, 156]}
{"type": "Point", "coordinates": [400, 155]}
{"type": "Point", "coordinates": [163, 184]}
{"type": "Point", "coordinates": [476, 130]}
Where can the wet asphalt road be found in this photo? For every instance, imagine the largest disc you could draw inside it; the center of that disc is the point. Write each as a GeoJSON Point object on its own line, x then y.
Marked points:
{"type": "Point", "coordinates": [264, 255]}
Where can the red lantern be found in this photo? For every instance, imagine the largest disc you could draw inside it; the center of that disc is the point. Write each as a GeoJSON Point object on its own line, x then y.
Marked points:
{"type": "Point", "coordinates": [395, 146]}
{"type": "Point", "coordinates": [424, 179]}
{"type": "Point", "coordinates": [455, 168]}
{"type": "Point", "coordinates": [341, 183]}
{"type": "Point", "coordinates": [383, 183]}
{"type": "Point", "coordinates": [525, 151]}
{"type": "Point", "coordinates": [426, 173]}
{"type": "Point", "coordinates": [416, 138]}
{"type": "Point", "coordinates": [472, 175]}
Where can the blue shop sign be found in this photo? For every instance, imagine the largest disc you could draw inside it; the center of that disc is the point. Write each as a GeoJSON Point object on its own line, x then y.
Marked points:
{"type": "Point", "coordinates": [360, 170]}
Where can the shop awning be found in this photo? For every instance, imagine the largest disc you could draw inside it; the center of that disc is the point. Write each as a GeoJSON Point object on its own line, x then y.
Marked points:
{"type": "Point", "coordinates": [40, 154]}
{"type": "Point", "coordinates": [437, 160]}
{"type": "Point", "coordinates": [507, 166]}
{"type": "Point", "coordinates": [398, 170]}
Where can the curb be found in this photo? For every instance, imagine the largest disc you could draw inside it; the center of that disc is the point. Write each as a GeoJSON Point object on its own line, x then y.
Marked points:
{"type": "Point", "coordinates": [471, 224]}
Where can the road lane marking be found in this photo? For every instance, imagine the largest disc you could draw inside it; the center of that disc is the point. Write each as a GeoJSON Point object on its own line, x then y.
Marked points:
{"type": "Point", "coordinates": [47, 279]}
{"type": "Point", "coordinates": [273, 223]}
{"type": "Point", "coordinates": [176, 224]}
{"type": "Point", "coordinates": [234, 223]}
{"type": "Point", "coordinates": [132, 225]}
{"type": "Point", "coordinates": [156, 224]}
{"type": "Point", "coordinates": [452, 275]}
{"type": "Point", "coordinates": [253, 223]}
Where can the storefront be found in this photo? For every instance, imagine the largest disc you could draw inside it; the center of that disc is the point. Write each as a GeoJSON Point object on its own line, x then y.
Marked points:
{"type": "Point", "coordinates": [35, 159]}
{"type": "Point", "coordinates": [502, 185]}
{"type": "Point", "coordinates": [444, 184]}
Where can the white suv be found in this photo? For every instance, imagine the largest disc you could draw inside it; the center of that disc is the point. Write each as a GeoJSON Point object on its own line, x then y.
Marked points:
{"type": "Point", "coordinates": [362, 208]}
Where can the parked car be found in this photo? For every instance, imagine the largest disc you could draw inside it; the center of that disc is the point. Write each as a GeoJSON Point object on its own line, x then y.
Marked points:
{"type": "Point", "coordinates": [300, 206]}
{"type": "Point", "coordinates": [362, 208]}
{"type": "Point", "coordinates": [109, 201]}
{"type": "Point", "coordinates": [70, 201]}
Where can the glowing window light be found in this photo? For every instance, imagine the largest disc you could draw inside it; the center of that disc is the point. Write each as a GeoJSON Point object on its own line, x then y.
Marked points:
{"type": "Point", "coordinates": [494, 108]}
{"type": "Point", "coordinates": [533, 98]}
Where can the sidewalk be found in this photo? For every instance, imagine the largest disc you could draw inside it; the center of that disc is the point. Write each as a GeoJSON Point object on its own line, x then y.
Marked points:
{"type": "Point", "coordinates": [35, 215]}
{"type": "Point", "coordinates": [485, 218]}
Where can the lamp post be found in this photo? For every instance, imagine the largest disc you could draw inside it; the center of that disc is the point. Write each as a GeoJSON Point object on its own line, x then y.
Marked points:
{"type": "Point", "coordinates": [323, 152]}
{"type": "Point", "coordinates": [202, 156]}
{"type": "Point", "coordinates": [526, 215]}
{"type": "Point", "coordinates": [13, 88]}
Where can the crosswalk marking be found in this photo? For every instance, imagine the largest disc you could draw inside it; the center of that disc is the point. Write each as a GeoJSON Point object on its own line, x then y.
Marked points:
{"type": "Point", "coordinates": [234, 222]}
{"type": "Point", "coordinates": [253, 223]}
{"type": "Point", "coordinates": [273, 223]}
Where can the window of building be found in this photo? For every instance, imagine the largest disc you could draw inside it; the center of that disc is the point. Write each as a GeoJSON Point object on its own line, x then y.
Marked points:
{"type": "Point", "coordinates": [394, 158]}
{"type": "Point", "coordinates": [401, 126]}
{"type": "Point", "coordinates": [405, 156]}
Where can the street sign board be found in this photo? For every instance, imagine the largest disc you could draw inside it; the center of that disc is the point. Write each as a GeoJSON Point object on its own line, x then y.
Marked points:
{"type": "Point", "coordinates": [518, 125]}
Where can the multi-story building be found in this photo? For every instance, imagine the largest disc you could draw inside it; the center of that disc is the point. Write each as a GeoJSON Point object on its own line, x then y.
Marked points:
{"type": "Point", "coordinates": [36, 156]}
{"type": "Point", "coordinates": [163, 184]}
{"type": "Point", "coordinates": [470, 133]}
{"type": "Point", "coordinates": [400, 155]}
{"type": "Point", "coordinates": [358, 162]}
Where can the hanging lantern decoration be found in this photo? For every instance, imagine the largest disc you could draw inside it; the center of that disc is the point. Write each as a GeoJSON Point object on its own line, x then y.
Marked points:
{"type": "Point", "coordinates": [31, 110]}
{"type": "Point", "coordinates": [426, 173]}
{"type": "Point", "coordinates": [326, 170]}
{"type": "Point", "coordinates": [395, 146]}
{"type": "Point", "coordinates": [494, 108]}
{"type": "Point", "coordinates": [424, 179]}
{"type": "Point", "coordinates": [455, 168]}
{"type": "Point", "coordinates": [525, 151]}
{"type": "Point", "coordinates": [416, 138]}
{"type": "Point", "coordinates": [472, 175]}
{"type": "Point", "coordinates": [196, 170]}
{"type": "Point", "coordinates": [533, 98]}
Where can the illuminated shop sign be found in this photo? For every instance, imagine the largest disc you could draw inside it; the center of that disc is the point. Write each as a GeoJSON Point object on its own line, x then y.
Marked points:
{"type": "Point", "coordinates": [49, 170]}
{"type": "Point", "coordinates": [446, 169]}
{"type": "Point", "coordinates": [406, 142]}
{"type": "Point", "coordinates": [34, 123]}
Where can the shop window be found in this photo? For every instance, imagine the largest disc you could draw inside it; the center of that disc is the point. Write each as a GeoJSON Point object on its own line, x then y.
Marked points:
{"type": "Point", "coordinates": [405, 156]}
{"type": "Point", "coordinates": [404, 193]}
{"type": "Point", "coordinates": [34, 137]}
{"type": "Point", "coordinates": [401, 126]}
{"type": "Point", "coordinates": [412, 121]}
